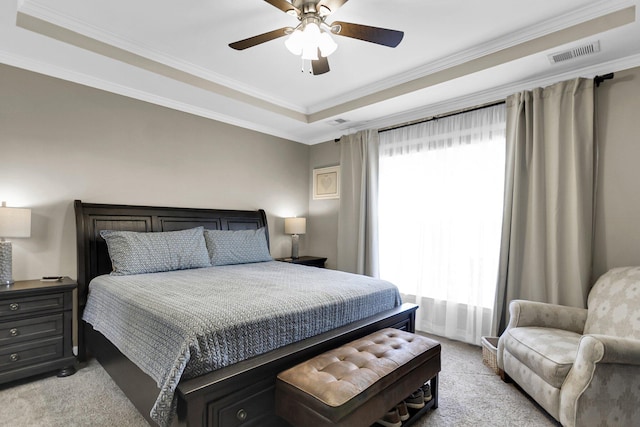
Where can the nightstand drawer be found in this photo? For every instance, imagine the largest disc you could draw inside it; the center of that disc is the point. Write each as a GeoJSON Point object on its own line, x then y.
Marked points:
{"type": "Point", "coordinates": [26, 305]}
{"type": "Point", "coordinates": [18, 331]}
{"type": "Point", "coordinates": [29, 353]}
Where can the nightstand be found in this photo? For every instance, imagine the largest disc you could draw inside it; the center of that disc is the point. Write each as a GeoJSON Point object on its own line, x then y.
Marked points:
{"type": "Point", "coordinates": [312, 261]}
{"type": "Point", "coordinates": [35, 329]}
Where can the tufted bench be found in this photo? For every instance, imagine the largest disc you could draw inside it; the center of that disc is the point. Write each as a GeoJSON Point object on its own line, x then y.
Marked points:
{"type": "Point", "coordinates": [356, 384]}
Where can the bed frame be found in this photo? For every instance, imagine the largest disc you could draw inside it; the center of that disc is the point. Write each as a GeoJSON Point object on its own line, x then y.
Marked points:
{"type": "Point", "coordinates": [240, 394]}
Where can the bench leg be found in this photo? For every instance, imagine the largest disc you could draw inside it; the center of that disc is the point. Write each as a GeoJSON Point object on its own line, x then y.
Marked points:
{"type": "Point", "coordinates": [434, 391]}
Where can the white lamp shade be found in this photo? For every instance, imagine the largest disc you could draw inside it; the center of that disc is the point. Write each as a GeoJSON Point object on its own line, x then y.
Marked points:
{"type": "Point", "coordinates": [310, 52]}
{"type": "Point", "coordinates": [15, 222]}
{"type": "Point", "coordinates": [326, 44]}
{"type": "Point", "coordinates": [307, 41]}
{"type": "Point", "coordinates": [295, 225]}
{"type": "Point", "coordinates": [294, 42]}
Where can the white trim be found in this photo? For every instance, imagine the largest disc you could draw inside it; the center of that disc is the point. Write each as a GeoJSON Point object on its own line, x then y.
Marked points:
{"type": "Point", "coordinates": [496, 93]}
{"type": "Point", "coordinates": [54, 17]}
{"type": "Point", "coordinates": [566, 20]}
{"type": "Point", "coordinates": [91, 81]}
{"type": "Point", "coordinates": [558, 23]}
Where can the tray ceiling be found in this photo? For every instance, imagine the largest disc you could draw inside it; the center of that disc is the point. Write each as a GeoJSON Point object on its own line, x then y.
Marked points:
{"type": "Point", "coordinates": [454, 54]}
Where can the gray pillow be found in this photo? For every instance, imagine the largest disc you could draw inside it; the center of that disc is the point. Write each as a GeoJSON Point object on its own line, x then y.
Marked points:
{"type": "Point", "coordinates": [135, 253]}
{"type": "Point", "coordinates": [237, 246]}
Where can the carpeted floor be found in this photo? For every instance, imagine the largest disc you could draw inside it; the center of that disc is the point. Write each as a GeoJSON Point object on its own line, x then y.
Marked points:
{"type": "Point", "coordinates": [470, 395]}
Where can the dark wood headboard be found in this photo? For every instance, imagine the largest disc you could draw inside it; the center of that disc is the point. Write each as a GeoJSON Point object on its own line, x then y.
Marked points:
{"type": "Point", "coordinates": [93, 256]}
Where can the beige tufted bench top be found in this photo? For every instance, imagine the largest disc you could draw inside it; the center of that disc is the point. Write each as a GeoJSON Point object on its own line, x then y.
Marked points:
{"type": "Point", "coordinates": [383, 367]}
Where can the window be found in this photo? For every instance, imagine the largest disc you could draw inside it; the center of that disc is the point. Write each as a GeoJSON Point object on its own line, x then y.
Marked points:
{"type": "Point", "coordinates": [441, 187]}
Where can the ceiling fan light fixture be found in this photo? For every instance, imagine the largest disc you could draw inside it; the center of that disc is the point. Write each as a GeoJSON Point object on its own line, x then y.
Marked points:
{"type": "Point", "coordinates": [312, 38]}
{"type": "Point", "coordinates": [295, 42]}
{"type": "Point", "coordinates": [324, 10]}
{"type": "Point", "coordinates": [326, 44]}
{"type": "Point", "coordinates": [307, 40]}
{"type": "Point", "coordinates": [311, 32]}
{"type": "Point", "coordinates": [310, 52]}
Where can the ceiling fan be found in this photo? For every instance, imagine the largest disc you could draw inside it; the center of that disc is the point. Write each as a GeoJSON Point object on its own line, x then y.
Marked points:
{"type": "Point", "coordinates": [311, 39]}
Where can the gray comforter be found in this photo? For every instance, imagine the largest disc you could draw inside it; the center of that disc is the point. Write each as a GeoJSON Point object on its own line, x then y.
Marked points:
{"type": "Point", "coordinates": [182, 324]}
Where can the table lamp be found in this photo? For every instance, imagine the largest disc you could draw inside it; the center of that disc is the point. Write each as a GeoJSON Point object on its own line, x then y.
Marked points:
{"type": "Point", "coordinates": [14, 222]}
{"type": "Point", "coordinates": [295, 227]}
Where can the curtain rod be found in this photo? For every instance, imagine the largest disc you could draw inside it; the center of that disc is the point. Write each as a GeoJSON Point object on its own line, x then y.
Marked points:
{"type": "Point", "coordinates": [440, 116]}
{"type": "Point", "coordinates": [597, 80]}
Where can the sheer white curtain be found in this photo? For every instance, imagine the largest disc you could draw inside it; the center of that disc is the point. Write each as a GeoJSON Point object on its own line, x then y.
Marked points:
{"type": "Point", "coordinates": [440, 216]}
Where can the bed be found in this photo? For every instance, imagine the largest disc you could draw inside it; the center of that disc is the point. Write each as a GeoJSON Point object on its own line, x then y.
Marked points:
{"type": "Point", "coordinates": [240, 392]}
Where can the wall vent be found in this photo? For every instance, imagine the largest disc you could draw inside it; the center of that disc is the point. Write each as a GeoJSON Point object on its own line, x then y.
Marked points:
{"type": "Point", "coordinates": [576, 52]}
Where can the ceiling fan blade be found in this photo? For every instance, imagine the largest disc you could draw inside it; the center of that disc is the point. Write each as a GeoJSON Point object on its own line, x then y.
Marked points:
{"type": "Point", "coordinates": [261, 38]}
{"type": "Point", "coordinates": [320, 65]}
{"type": "Point", "coordinates": [332, 5]}
{"type": "Point", "coordinates": [383, 36]}
{"type": "Point", "coordinates": [283, 5]}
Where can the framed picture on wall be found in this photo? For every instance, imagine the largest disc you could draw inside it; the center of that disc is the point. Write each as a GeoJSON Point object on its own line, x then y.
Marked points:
{"type": "Point", "coordinates": [326, 183]}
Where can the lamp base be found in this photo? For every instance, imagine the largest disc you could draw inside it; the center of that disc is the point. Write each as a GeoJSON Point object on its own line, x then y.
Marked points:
{"type": "Point", "coordinates": [5, 264]}
{"type": "Point", "coordinates": [294, 246]}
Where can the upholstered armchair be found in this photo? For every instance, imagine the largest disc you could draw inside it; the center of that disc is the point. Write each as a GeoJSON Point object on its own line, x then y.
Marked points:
{"type": "Point", "coordinates": [581, 365]}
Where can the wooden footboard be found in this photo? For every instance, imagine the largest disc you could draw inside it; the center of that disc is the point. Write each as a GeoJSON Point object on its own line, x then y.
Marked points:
{"type": "Point", "coordinates": [242, 393]}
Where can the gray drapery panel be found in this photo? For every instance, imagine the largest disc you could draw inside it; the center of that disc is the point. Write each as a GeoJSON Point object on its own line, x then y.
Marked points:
{"type": "Point", "coordinates": [358, 214]}
{"type": "Point", "coordinates": [546, 248]}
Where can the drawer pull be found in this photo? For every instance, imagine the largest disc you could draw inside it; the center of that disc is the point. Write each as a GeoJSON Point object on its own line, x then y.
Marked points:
{"type": "Point", "coordinates": [14, 306]}
{"type": "Point", "coordinates": [13, 332]}
{"type": "Point", "coordinates": [241, 415]}
{"type": "Point", "coordinates": [14, 357]}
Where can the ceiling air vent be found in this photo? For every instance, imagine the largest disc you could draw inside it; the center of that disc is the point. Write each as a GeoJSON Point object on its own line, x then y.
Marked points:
{"type": "Point", "coordinates": [337, 122]}
{"type": "Point", "coordinates": [587, 49]}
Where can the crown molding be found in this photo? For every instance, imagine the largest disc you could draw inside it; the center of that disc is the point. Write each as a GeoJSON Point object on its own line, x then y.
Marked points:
{"type": "Point", "coordinates": [321, 133]}
{"type": "Point", "coordinates": [531, 47]}
{"type": "Point", "coordinates": [48, 14]}
{"type": "Point", "coordinates": [497, 93]}
{"type": "Point", "coordinates": [478, 98]}
{"type": "Point", "coordinates": [515, 38]}
{"type": "Point", "coordinates": [108, 86]}
{"type": "Point", "coordinates": [592, 11]}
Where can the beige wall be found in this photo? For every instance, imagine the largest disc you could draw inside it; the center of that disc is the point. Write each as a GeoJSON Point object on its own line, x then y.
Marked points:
{"type": "Point", "coordinates": [60, 141]}
{"type": "Point", "coordinates": [323, 224]}
{"type": "Point", "coordinates": [617, 237]}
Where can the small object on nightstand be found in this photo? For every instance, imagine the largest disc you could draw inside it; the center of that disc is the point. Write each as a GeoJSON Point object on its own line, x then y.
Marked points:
{"type": "Point", "coordinates": [51, 278]}
{"type": "Point", "coordinates": [312, 261]}
{"type": "Point", "coordinates": [38, 316]}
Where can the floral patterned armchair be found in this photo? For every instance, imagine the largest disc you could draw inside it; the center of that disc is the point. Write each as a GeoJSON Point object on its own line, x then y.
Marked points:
{"type": "Point", "coordinates": [581, 365]}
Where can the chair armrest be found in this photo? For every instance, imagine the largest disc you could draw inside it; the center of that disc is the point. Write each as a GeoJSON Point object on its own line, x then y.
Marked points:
{"type": "Point", "coordinates": [598, 357]}
{"type": "Point", "coordinates": [625, 351]}
{"type": "Point", "coordinates": [531, 313]}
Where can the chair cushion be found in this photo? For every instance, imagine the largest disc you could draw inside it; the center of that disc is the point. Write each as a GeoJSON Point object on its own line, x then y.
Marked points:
{"type": "Point", "coordinates": [614, 304]}
{"type": "Point", "coordinates": [548, 352]}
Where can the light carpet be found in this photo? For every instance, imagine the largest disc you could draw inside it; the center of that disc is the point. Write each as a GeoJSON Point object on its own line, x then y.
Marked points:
{"type": "Point", "coordinates": [470, 395]}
